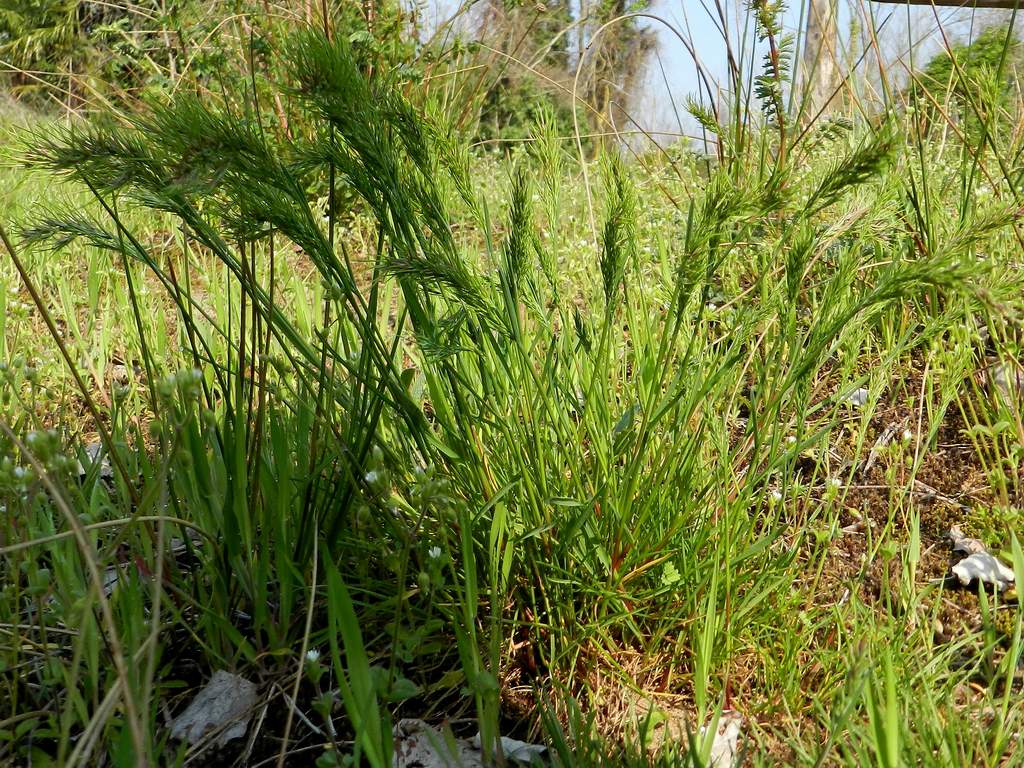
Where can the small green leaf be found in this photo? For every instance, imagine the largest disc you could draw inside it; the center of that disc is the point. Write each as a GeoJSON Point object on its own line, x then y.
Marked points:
{"type": "Point", "coordinates": [403, 689]}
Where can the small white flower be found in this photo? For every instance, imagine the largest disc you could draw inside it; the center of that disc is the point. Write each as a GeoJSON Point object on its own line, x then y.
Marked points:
{"type": "Point", "coordinates": [907, 435]}
{"type": "Point", "coordinates": [312, 656]}
{"type": "Point", "coordinates": [834, 483]}
{"type": "Point", "coordinates": [434, 553]}
{"type": "Point", "coordinates": [371, 476]}
{"type": "Point", "coordinates": [791, 440]}
{"type": "Point", "coordinates": [776, 496]}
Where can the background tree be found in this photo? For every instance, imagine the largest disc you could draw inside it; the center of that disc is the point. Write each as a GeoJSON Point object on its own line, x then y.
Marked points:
{"type": "Point", "coordinates": [821, 75]}
{"type": "Point", "coordinates": [528, 67]}
{"type": "Point", "coordinates": [536, 52]}
{"type": "Point", "coordinates": [617, 58]}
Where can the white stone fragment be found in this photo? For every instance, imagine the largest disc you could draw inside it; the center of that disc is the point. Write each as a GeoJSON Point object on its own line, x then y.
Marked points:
{"type": "Point", "coordinates": [725, 747]}
{"type": "Point", "coordinates": [981, 566]}
{"type": "Point", "coordinates": [95, 454]}
{"type": "Point", "coordinates": [1006, 381]}
{"type": "Point", "coordinates": [858, 398]}
{"type": "Point", "coordinates": [224, 705]}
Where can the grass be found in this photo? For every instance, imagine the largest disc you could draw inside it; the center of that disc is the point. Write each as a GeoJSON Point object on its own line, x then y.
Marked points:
{"type": "Point", "coordinates": [583, 465]}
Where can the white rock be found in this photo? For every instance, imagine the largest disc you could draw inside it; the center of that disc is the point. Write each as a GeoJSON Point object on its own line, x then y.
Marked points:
{"type": "Point", "coordinates": [857, 398]}
{"type": "Point", "coordinates": [95, 454]}
{"type": "Point", "coordinates": [983, 567]}
{"type": "Point", "coordinates": [111, 575]}
{"type": "Point", "coordinates": [1005, 381]}
{"type": "Point", "coordinates": [725, 747]}
{"type": "Point", "coordinates": [225, 705]}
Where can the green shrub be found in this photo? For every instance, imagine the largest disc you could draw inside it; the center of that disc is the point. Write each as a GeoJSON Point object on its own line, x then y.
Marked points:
{"type": "Point", "coordinates": [976, 82]}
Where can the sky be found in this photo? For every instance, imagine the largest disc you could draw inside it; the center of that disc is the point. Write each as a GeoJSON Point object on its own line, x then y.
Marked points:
{"type": "Point", "coordinates": [900, 26]}
{"type": "Point", "coordinates": [671, 75]}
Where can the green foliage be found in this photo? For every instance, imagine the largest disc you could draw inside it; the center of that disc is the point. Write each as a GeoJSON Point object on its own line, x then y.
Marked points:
{"type": "Point", "coordinates": [513, 104]}
{"type": "Point", "coordinates": [97, 54]}
{"type": "Point", "coordinates": [770, 82]}
{"type": "Point", "coordinates": [66, 44]}
{"type": "Point", "coordinates": [975, 81]}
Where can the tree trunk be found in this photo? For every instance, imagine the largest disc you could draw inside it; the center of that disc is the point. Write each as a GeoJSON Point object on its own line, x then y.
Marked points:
{"type": "Point", "coordinates": [820, 64]}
